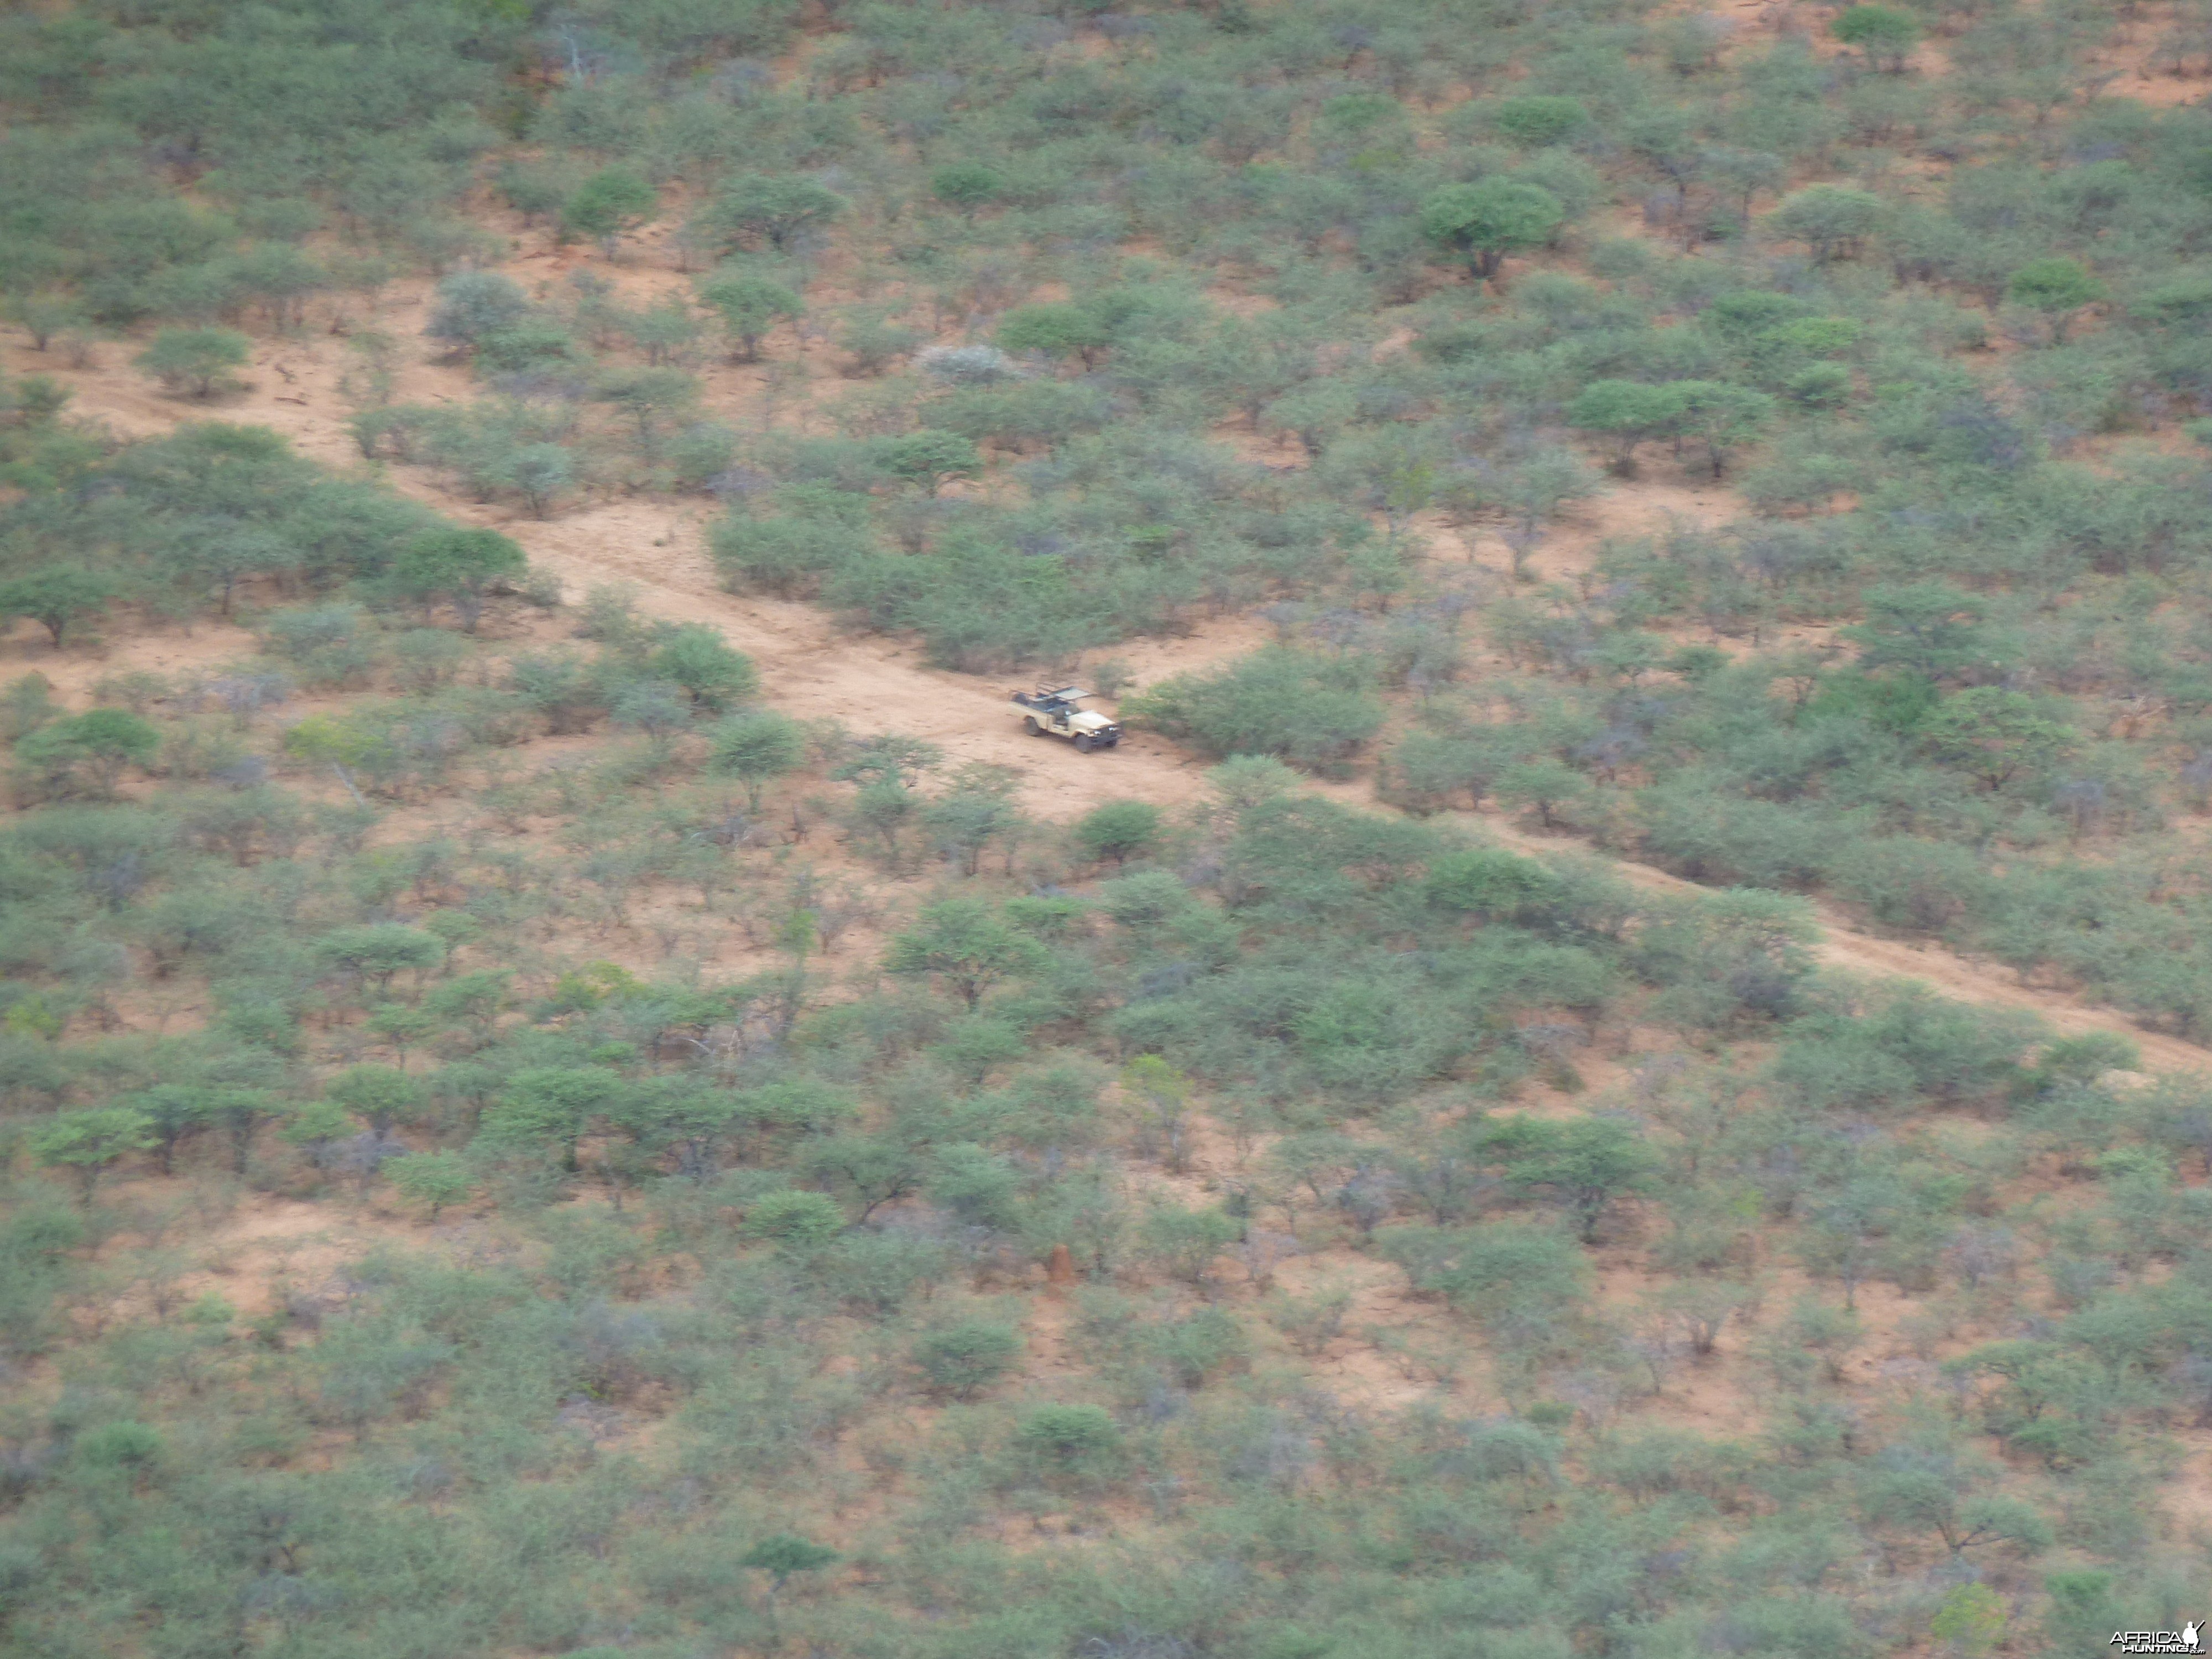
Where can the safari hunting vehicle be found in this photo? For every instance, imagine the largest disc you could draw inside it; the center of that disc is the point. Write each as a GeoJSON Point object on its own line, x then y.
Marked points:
{"type": "Point", "coordinates": [1059, 713]}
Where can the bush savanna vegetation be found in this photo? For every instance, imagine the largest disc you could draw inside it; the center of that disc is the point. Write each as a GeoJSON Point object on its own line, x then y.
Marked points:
{"type": "Point", "coordinates": [528, 1128]}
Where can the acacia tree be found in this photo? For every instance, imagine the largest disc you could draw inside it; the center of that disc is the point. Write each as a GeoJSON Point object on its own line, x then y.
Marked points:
{"type": "Point", "coordinates": [1720, 416]}
{"type": "Point", "coordinates": [434, 1179]}
{"type": "Point", "coordinates": [43, 315]}
{"type": "Point", "coordinates": [327, 740]}
{"type": "Point", "coordinates": [1533, 491]}
{"type": "Point", "coordinates": [378, 952]}
{"type": "Point", "coordinates": [713, 674]}
{"type": "Point", "coordinates": [1483, 222]}
{"type": "Point", "coordinates": [683, 1113]}
{"type": "Point", "coordinates": [1886, 34]}
{"type": "Point", "coordinates": [87, 1142]}
{"type": "Point", "coordinates": [2056, 287]}
{"type": "Point", "coordinates": [1932, 1494]}
{"type": "Point", "coordinates": [783, 1557]}
{"type": "Point", "coordinates": [458, 566]}
{"type": "Point", "coordinates": [1055, 331]}
{"type": "Point", "coordinates": [1535, 121]}
{"type": "Point", "coordinates": [758, 745]}
{"type": "Point", "coordinates": [551, 1104]}
{"type": "Point", "coordinates": [608, 203]}
{"type": "Point", "coordinates": [1994, 734]}
{"type": "Point", "coordinates": [968, 817]}
{"type": "Point", "coordinates": [1740, 174]}
{"type": "Point", "coordinates": [1627, 411]}
{"type": "Point", "coordinates": [538, 473]}
{"type": "Point", "coordinates": [93, 747]}
{"type": "Point", "coordinates": [1589, 1161]}
{"type": "Point", "coordinates": [278, 277]}
{"type": "Point", "coordinates": [56, 597]}
{"type": "Point", "coordinates": [775, 209]}
{"type": "Point", "coordinates": [928, 457]}
{"type": "Point", "coordinates": [1831, 220]}
{"type": "Point", "coordinates": [1119, 829]}
{"type": "Point", "coordinates": [1187, 1242]}
{"type": "Point", "coordinates": [239, 1114]}
{"type": "Point", "coordinates": [964, 186]}
{"type": "Point", "coordinates": [653, 398]}
{"type": "Point", "coordinates": [173, 1111]}
{"type": "Point", "coordinates": [875, 1170]}
{"type": "Point", "coordinates": [749, 306]}
{"type": "Point", "coordinates": [473, 304]}
{"type": "Point", "coordinates": [382, 1094]}
{"type": "Point", "coordinates": [1925, 628]}
{"type": "Point", "coordinates": [195, 361]}
{"type": "Point", "coordinates": [967, 945]}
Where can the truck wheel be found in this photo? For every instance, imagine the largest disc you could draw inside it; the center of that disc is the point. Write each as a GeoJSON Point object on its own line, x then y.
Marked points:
{"type": "Point", "coordinates": [1082, 743]}
{"type": "Point", "coordinates": [1029, 725]}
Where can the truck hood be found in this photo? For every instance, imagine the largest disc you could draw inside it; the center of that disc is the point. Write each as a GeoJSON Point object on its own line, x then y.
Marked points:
{"type": "Point", "coordinates": [1088, 721]}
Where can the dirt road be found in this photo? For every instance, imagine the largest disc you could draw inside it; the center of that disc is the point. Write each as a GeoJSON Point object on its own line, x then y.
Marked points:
{"type": "Point", "coordinates": [813, 670]}
{"type": "Point", "coordinates": [1843, 947]}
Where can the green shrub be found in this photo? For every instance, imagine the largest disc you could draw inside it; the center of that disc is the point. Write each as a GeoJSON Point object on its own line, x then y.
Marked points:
{"type": "Point", "coordinates": [696, 658]}
{"type": "Point", "coordinates": [699, 454]}
{"type": "Point", "coordinates": [461, 567]}
{"type": "Point", "coordinates": [195, 361]}
{"type": "Point", "coordinates": [928, 457]}
{"type": "Point", "coordinates": [2055, 287]}
{"type": "Point", "coordinates": [472, 305]}
{"type": "Point", "coordinates": [1587, 1162]}
{"type": "Point", "coordinates": [1887, 34]}
{"type": "Point", "coordinates": [961, 943]}
{"type": "Point", "coordinates": [796, 1220]}
{"type": "Point", "coordinates": [1118, 830]}
{"type": "Point", "coordinates": [786, 556]}
{"type": "Point", "coordinates": [434, 1179]}
{"type": "Point", "coordinates": [1630, 411]}
{"type": "Point", "coordinates": [90, 750]}
{"type": "Point", "coordinates": [1907, 883]}
{"type": "Point", "coordinates": [1185, 1242]}
{"type": "Point", "coordinates": [1195, 1349]}
{"type": "Point", "coordinates": [1054, 330]}
{"type": "Point", "coordinates": [1070, 1437]}
{"type": "Point", "coordinates": [786, 1554]}
{"type": "Point", "coordinates": [967, 185]}
{"type": "Point", "coordinates": [122, 1444]}
{"type": "Point", "coordinates": [1533, 122]}
{"type": "Point", "coordinates": [877, 1273]}
{"type": "Point", "coordinates": [775, 210]}
{"type": "Point", "coordinates": [756, 746]}
{"type": "Point", "coordinates": [1510, 1274]}
{"type": "Point", "coordinates": [531, 345]}
{"type": "Point", "coordinates": [965, 1360]}
{"type": "Point", "coordinates": [1822, 385]}
{"type": "Point", "coordinates": [609, 202]}
{"type": "Point", "coordinates": [1490, 884]}
{"type": "Point", "coordinates": [1311, 710]}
